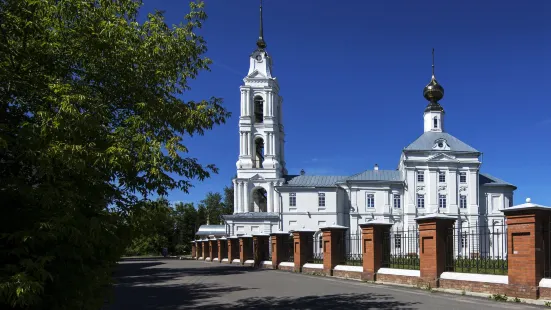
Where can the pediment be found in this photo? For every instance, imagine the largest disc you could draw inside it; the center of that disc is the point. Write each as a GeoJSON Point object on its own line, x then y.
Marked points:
{"type": "Point", "coordinates": [257, 177]}
{"type": "Point", "coordinates": [442, 157]}
{"type": "Point", "coordinates": [256, 74]}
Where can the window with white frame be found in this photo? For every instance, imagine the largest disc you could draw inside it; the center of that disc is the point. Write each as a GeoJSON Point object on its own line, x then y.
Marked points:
{"type": "Point", "coordinates": [420, 176]}
{"type": "Point", "coordinates": [397, 201]}
{"type": "Point", "coordinates": [420, 201]}
{"type": "Point", "coordinates": [321, 200]}
{"type": "Point", "coordinates": [442, 201]}
{"type": "Point", "coordinates": [463, 202]}
{"type": "Point", "coordinates": [462, 177]}
{"type": "Point", "coordinates": [292, 199]}
{"type": "Point", "coordinates": [398, 241]}
{"type": "Point", "coordinates": [442, 176]}
{"type": "Point", "coordinates": [370, 201]}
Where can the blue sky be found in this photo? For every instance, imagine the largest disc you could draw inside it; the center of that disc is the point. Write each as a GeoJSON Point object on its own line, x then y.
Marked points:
{"type": "Point", "coordinates": [352, 74]}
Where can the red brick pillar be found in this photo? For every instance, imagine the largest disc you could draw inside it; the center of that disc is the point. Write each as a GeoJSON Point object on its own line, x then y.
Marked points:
{"type": "Point", "coordinates": [303, 244]}
{"type": "Point", "coordinates": [372, 247]}
{"type": "Point", "coordinates": [333, 247]}
{"type": "Point", "coordinates": [199, 245]}
{"type": "Point", "coordinates": [261, 246]}
{"type": "Point", "coordinates": [206, 250]}
{"type": "Point", "coordinates": [245, 249]}
{"type": "Point", "coordinates": [193, 249]}
{"type": "Point", "coordinates": [279, 248]}
{"type": "Point", "coordinates": [233, 249]}
{"type": "Point", "coordinates": [222, 249]}
{"type": "Point", "coordinates": [527, 246]}
{"type": "Point", "coordinates": [434, 233]}
{"type": "Point", "coordinates": [213, 246]}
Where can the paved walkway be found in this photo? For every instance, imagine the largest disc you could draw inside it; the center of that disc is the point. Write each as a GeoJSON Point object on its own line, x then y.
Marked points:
{"type": "Point", "coordinates": [185, 284]}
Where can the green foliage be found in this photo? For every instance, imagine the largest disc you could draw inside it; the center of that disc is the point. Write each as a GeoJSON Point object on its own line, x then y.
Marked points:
{"type": "Point", "coordinates": [548, 304]}
{"type": "Point", "coordinates": [91, 124]}
{"type": "Point", "coordinates": [516, 299]}
{"type": "Point", "coordinates": [499, 297]}
{"type": "Point", "coordinates": [213, 208]}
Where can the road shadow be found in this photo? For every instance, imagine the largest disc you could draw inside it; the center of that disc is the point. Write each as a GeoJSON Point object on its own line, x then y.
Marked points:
{"type": "Point", "coordinates": [137, 273]}
{"type": "Point", "coordinates": [147, 285]}
{"type": "Point", "coordinates": [325, 302]}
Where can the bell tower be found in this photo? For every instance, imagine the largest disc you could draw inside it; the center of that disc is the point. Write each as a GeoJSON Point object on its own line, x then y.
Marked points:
{"type": "Point", "coordinates": [261, 136]}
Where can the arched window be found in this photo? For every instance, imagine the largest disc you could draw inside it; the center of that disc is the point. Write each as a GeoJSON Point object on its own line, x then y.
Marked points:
{"type": "Point", "coordinates": [435, 122]}
{"type": "Point", "coordinates": [258, 109]}
{"type": "Point", "coordinates": [258, 153]}
{"type": "Point", "coordinates": [259, 201]}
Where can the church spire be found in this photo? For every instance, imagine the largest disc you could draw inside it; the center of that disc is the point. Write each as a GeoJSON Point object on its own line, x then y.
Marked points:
{"type": "Point", "coordinates": [433, 91]}
{"type": "Point", "coordinates": [261, 43]}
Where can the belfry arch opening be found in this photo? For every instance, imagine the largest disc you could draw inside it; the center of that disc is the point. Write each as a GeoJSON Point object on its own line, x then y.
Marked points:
{"type": "Point", "coordinates": [259, 200]}
{"type": "Point", "coordinates": [258, 153]}
{"type": "Point", "coordinates": [258, 109]}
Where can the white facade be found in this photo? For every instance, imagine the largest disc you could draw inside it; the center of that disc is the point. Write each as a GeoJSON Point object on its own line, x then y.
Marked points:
{"type": "Point", "coordinates": [437, 173]}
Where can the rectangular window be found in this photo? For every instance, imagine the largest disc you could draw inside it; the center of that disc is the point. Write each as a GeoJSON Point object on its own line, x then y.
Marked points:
{"type": "Point", "coordinates": [398, 241]}
{"type": "Point", "coordinates": [463, 202]}
{"type": "Point", "coordinates": [442, 201]}
{"type": "Point", "coordinates": [255, 228]}
{"type": "Point", "coordinates": [462, 177]}
{"type": "Point", "coordinates": [420, 201]}
{"type": "Point", "coordinates": [292, 223]}
{"type": "Point", "coordinates": [420, 176]}
{"type": "Point", "coordinates": [397, 202]}
{"type": "Point", "coordinates": [442, 176]}
{"type": "Point", "coordinates": [370, 201]}
{"type": "Point", "coordinates": [321, 223]}
{"type": "Point", "coordinates": [292, 199]}
{"type": "Point", "coordinates": [321, 200]}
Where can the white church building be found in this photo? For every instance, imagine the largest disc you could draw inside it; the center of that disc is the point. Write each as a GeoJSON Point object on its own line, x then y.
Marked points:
{"type": "Point", "coordinates": [437, 172]}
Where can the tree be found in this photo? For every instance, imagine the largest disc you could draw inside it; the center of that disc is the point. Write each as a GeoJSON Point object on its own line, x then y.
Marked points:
{"type": "Point", "coordinates": [185, 216]}
{"type": "Point", "coordinates": [213, 208]}
{"type": "Point", "coordinates": [91, 125]}
{"type": "Point", "coordinates": [228, 199]}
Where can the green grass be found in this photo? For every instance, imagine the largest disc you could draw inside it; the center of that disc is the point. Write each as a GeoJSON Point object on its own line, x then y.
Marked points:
{"type": "Point", "coordinates": [481, 265]}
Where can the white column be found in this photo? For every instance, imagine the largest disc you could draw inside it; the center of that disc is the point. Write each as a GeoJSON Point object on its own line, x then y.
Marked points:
{"type": "Point", "coordinates": [246, 203]}
{"type": "Point", "coordinates": [268, 143]}
{"type": "Point", "coordinates": [266, 106]}
{"type": "Point", "coordinates": [241, 140]}
{"type": "Point", "coordinates": [277, 202]}
{"type": "Point", "coordinates": [247, 102]}
{"type": "Point", "coordinates": [270, 205]}
{"type": "Point", "coordinates": [452, 191]}
{"type": "Point", "coordinates": [240, 194]}
{"type": "Point", "coordinates": [242, 103]}
{"type": "Point", "coordinates": [247, 143]}
{"type": "Point", "coordinates": [472, 182]}
{"type": "Point", "coordinates": [235, 193]}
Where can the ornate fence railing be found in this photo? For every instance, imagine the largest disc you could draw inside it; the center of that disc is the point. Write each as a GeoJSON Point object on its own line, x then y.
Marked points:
{"type": "Point", "coordinates": [317, 257]}
{"type": "Point", "coordinates": [290, 248]}
{"type": "Point", "coordinates": [478, 248]}
{"type": "Point", "coordinates": [353, 249]}
{"type": "Point", "coordinates": [401, 248]}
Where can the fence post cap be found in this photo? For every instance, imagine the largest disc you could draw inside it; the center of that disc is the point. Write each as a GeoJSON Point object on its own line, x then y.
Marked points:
{"type": "Point", "coordinates": [376, 222]}
{"type": "Point", "coordinates": [280, 232]}
{"type": "Point", "coordinates": [526, 206]}
{"type": "Point", "coordinates": [244, 236]}
{"type": "Point", "coordinates": [436, 216]}
{"type": "Point", "coordinates": [233, 237]}
{"type": "Point", "coordinates": [333, 227]}
{"type": "Point", "coordinates": [222, 238]}
{"type": "Point", "coordinates": [212, 239]}
{"type": "Point", "coordinates": [304, 230]}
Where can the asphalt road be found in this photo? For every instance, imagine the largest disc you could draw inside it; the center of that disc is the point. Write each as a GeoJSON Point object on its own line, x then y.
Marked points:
{"type": "Point", "coordinates": [186, 284]}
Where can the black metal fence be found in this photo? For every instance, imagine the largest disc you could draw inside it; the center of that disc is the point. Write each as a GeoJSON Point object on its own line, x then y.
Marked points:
{"type": "Point", "coordinates": [317, 257]}
{"type": "Point", "coordinates": [290, 248]}
{"type": "Point", "coordinates": [478, 248]}
{"type": "Point", "coordinates": [353, 249]}
{"type": "Point", "coordinates": [401, 248]}
{"type": "Point", "coordinates": [546, 247]}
